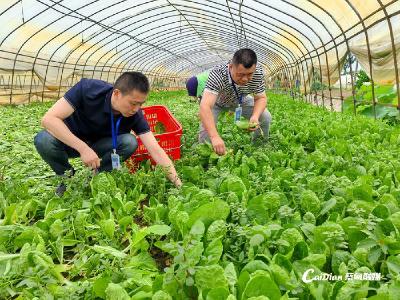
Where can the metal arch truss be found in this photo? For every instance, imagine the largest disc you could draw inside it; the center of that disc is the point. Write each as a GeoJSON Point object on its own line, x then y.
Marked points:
{"type": "Point", "coordinates": [181, 38]}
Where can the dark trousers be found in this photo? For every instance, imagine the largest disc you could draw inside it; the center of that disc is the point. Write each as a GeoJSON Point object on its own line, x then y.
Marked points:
{"type": "Point", "coordinates": [56, 153]}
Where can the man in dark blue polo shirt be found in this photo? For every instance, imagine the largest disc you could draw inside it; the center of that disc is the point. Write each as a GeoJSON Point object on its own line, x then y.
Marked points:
{"type": "Point", "coordinates": [84, 122]}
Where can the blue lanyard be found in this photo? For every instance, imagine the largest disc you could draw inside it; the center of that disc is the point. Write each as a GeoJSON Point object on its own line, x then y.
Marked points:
{"type": "Point", "coordinates": [240, 98]}
{"type": "Point", "coordinates": [114, 132]}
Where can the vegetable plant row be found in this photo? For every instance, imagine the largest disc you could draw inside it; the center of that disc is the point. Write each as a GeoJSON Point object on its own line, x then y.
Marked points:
{"type": "Point", "coordinates": [312, 214]}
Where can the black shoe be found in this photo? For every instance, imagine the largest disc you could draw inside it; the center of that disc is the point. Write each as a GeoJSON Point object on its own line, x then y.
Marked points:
{"type": "Point", "coordinates": [60, 190]}
{"type": "Point", "coordinates": [62, 187]}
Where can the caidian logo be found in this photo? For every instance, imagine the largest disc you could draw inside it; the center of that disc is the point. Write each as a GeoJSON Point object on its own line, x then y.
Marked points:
{"type": "Point", "coordinates": [321, 277]}
{"type": "Point", "coordinates": [308, 278]}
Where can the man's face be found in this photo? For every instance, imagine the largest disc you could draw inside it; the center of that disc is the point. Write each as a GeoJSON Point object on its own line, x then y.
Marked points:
{"type": "Point", "coordinates": [129, 103]}
{"type": "Point", "coordinates": [240, 74]}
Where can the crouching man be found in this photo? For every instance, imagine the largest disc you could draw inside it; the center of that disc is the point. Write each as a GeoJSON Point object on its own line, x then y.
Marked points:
{"type": "Point", "coordinates": [93, 121]}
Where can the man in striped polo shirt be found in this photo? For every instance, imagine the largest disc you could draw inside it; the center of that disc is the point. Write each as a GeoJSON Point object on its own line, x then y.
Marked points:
{"type": "Point", "coordinates": [229, 88]}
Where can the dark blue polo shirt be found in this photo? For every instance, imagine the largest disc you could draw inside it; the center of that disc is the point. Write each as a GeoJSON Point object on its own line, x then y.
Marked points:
{"type": "Point", "coordinates": [91, 119]}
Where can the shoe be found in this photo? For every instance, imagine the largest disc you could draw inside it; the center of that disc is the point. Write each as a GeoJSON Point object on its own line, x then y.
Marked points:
{"type": "Point", "coordinates": [62, 187]}
{"type": "Point", "coordinates": [60, 190]}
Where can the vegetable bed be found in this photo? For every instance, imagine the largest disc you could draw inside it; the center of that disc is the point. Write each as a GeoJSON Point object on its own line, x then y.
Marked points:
{"type": "Point", "coordinates": [322, 195]}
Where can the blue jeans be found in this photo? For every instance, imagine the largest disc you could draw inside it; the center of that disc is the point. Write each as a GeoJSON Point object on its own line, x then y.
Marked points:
{"type": "Point", "coordinates": [56, 153]}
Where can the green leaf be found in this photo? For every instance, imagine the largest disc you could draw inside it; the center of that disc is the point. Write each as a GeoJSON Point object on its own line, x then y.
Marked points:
{"type": "Point", "coordinates": [367, 243]}
{"type": "Point", "coordinates": [70, 242]}
{"type": "Point", "coordinates": [125, 221]}
{"type": "Point", "coordinates": [213, 252]}
{"type": "Point", "coordinates": [58, 213]}
{"type": "Point", "coordinates": [56, 229]}
{"type": "Point", "coordinates": [387, 98]}
{"type": "Point", "coordinates": [379, 297]}
{"type": "Point", "coordinates": [255, 265]}
{"type": "Point", "coordinates": [230, 274]}
{"type": "Point", "coordinates": [317, 260]}
{"type": "Point", "coordinates": [338, 257]}
{"type": "Point", "coordinates": [100, 285]}
{"type": "Point", "coordinates": [116, 292]}
{"type": "Point", "coordinates": [204, 149]}
{"type": "Point", "coordinates": [283, 261]}
{"type": "Point", "coordinates": [256, 240]}
{"type": "Point", "coordinates": [210, 277]}
{"type": "Point", "coordinates": [197, 230]}
{"type": "Point", "coordinates": [245, 124]}
{"type": "Point", "coordinates": [233, 184]}
{"type": "Point", "coordinates": [161, 295]}
{"type": "Point", "coordinates": [216, 230]}
{"type": "Point", "coordinates": [159, 128]}
{"type": "Point", "coordinates": [327, 206]}
{"type": "Point", "coordinates": [381, 211]}
{"type": "Point", "coordinates": [257, 210]}
{"type": "Point", "coordinates": [159, 229]}
{"type": "Point", "coordinates": [208, 213]}
{"type": "Point", "coordinates": [141, 295]}
{"type": "Point", "coordinates": [10, 214]}
{"type": "Point", "coordinates": [281, 276]}
{"type": "Point", "coordinates": [300, 251]}
{"type": "Point", "coordinates": [193, 253]}
{"type": "Point", "coordinates": [244, 278]}
{"type": "Point", "coordinates": [309, 202]}
{"type": "Point", "coordinates": [154, 229]}
{"type": "Point", "coordinates": [381, 111]}
{"type": "Point", "coordinates": [51, 205]}
{"type": "Point", "coordinates": [109, 251]}
{"type": "Point", "coordinates": [354, 237]}
{"type": "Point", "coordinates": [393, 263]}
{"type": "Point", "coordinates": [4, 257]}
{"type": "Point", "coordinates": [108, 227]}
{"type": "Point", "coordinates": [217, 294]}
{"type": "Point", "coordinates": [374, 255]}
{"type": "Point", "coordinates": [394, 289]}
{"type": "Point", "coordinates": [26, 236]}
{"type": "Point", "coordinates": [262, 285]}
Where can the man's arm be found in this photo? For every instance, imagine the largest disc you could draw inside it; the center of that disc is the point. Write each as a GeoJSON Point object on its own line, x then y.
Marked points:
{"type": "Point", "coordinates": [206, 116]}
{"type": "Point", "coordinates": [160, 157]}
{"type": "Point", "coordinates": [53, 122]}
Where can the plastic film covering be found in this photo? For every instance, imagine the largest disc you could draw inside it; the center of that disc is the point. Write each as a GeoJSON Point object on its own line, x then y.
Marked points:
{"type": "Point", "coordinates": [46, 46]}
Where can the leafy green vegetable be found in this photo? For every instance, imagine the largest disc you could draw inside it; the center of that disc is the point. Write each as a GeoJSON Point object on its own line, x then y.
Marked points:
{"type": "Point", "coordinates": [261, 284]}
{"type": "Point", "coordinates": [117, 292]}
{"type": "Point", "coordinates": [159, 128]}
{"type": "Point", "coordinates": [323, 193]}
{"type": "Point", "coordinates": [245, 124]}
{"type": "Point", "coordinates": [309, 202]}
{"type": "Point", "coordinates": [209, 277]}
{"type": "Point", "coordinates": [233, 184]}
{"type": "Point", "coordinates": [207, 213]}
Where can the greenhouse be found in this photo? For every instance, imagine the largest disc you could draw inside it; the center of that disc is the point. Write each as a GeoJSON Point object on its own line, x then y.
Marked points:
{"type": "Point", "coordinates": [170, 149]}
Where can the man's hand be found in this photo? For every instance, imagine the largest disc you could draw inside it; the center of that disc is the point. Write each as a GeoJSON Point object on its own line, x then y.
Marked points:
{"type": "Point", "coordinates": [218, 145]}
{"type": "Point", "coordinates": [90, 158]}
{"type": "Point", "coordinates": [160, 157]}
{"type": "Point", "coordinates": [177, 182]}
{"type": "Point", "coordinates": [254, 120]}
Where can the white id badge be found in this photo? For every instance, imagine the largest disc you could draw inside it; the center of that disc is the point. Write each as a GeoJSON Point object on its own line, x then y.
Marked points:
{"type": "Point", "coordinates": [238, 113]}
{"type": "Point", "coordinates": [115, 161]}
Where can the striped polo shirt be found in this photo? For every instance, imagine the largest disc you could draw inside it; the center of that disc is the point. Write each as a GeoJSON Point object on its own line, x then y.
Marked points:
{"type": "Point", "coordinates": [219, 83]}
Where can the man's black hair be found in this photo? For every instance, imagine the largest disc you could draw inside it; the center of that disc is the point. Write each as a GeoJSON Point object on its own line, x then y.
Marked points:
{"type": "Point", "coordinates": [130, 81]}
{"type": "Point", "coordinates": [246, 57]}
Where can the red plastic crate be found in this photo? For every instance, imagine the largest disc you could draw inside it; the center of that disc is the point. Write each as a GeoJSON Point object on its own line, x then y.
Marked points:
{"type": "Point", "coordinates": [170, 140]}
